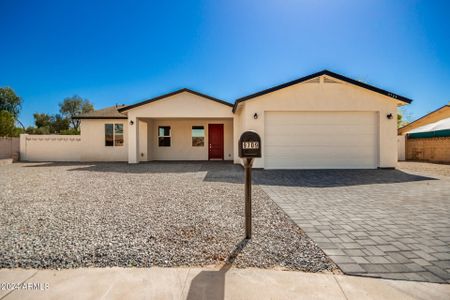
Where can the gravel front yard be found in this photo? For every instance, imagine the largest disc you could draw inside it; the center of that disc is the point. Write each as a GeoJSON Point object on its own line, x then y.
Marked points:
{"type": "Point", "coordinates": [56, 215]}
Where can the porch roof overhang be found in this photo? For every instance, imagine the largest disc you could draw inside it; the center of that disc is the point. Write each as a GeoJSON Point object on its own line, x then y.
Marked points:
{"type": "Point", "coordinates": [183, 103]}
{"type": "Point", "coordinates": [129, 107]}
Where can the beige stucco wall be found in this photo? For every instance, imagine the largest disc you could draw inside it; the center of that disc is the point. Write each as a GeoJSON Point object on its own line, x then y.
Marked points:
{"type": "Point", "coordinates": [180, 106]}
{"type": "Point", "coordinates": [143, 140]}
{"type": "Point", "coordinates": [50, 147]}
{"type": "Point", "coordinates": [181, 143]}
{"type": "Point", "coordinates": [93, 141]}
{"type": "Point", "coordinates": [151, 135]}
{"type": "Point", "coordinates": [401, 147]}
{"type": "Point", "coordinates": [323, 97]}
{"type": "Point", "coordinates": [183, 105]}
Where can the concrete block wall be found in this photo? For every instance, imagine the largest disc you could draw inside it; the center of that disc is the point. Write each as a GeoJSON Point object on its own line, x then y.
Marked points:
{"type": "Point", "coordinates": [9, 148]}
{"type": "Point", "coordinates": [435, 149]}
{"type": "Point", "coordinates": [50, 147]}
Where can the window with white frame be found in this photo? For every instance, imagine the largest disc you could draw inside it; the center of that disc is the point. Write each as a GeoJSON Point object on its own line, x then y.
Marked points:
{"type": "Point", "coordinates": [113, 135]}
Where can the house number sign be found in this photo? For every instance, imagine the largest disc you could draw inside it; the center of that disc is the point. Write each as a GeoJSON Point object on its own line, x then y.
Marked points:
{"type": "Point", "coordinates": [250, 145]}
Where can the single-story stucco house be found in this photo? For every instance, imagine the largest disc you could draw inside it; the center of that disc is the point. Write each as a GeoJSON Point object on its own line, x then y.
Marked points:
{"type": "Point", "coordinates": [324, 120]}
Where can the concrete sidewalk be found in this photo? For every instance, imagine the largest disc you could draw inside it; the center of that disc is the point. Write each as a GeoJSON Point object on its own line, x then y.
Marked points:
{"type": "Point", "coordinates": [210, 283]}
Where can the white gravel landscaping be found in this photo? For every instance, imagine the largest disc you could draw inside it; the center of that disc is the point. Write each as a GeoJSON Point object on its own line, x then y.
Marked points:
{"type": "Point", "coordinates": [57, 215]}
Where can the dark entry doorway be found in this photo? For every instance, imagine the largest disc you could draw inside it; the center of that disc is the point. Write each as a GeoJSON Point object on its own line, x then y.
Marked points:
{"type": "Point", "coordinates": [215, 141]}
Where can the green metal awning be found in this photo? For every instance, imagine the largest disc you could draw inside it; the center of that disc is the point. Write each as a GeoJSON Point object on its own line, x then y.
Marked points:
{"type": "Point", "coordinates": [429, 134]}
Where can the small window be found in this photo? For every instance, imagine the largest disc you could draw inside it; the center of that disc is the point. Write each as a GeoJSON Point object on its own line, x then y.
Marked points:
{"type": "Point", "coordinates": [118, 134]}
{"type": "Point", "coordinates": [198, 136]}
{"type": "Point", "coordinates": [109, 135]}
{"type": "Point", "coordinates": [113, 135]}
{"type": "Point", "coordinates": [164, 136]}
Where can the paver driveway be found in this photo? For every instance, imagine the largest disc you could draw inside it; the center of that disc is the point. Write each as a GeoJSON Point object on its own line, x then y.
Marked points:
{"type": "Point", "coordinates": [384, 223]}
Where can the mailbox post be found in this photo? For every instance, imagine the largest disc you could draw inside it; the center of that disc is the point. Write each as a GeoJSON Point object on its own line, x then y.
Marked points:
{"type": "Point", "coordinates": [249, 148]}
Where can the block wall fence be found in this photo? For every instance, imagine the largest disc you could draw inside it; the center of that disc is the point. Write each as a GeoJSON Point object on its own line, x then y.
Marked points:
{"type": "Point", "coordinates": [9, 147]}
{"type": "Point", "coordinates": [50, 147]}
{"type": "Point", "coordinates": [436, 149]}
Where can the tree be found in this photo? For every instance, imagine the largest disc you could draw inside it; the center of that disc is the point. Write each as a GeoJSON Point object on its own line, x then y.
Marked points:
{"type": "Point", "coordinates": [42, 120]}
{"type": "Point", "coordinates": [402, 117]}
{"type": "Point", "coordinates": [35, 130]}
{"type": "Point", "coordinates": [7, 124]}
{"type": "Point", "coordinates": [70, 131]}
{"type": "Point", "coordinates": [73, 106]}
{"type": "Point", "coordinates": [58, 124]}
{"type": "Point", "coordinates": [399, 120]}
{"type": "Point", "coordinates": [50, 124]}
{"type": "Point", "coordinates": [10, 102]}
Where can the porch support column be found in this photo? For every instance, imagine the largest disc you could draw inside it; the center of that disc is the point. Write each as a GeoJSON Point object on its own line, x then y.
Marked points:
{"type": "Point", "coordinates": [133, 140]}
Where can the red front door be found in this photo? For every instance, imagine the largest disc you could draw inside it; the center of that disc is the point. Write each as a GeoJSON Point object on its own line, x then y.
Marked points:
{"type": "Point", "coordinates": [215, 141]}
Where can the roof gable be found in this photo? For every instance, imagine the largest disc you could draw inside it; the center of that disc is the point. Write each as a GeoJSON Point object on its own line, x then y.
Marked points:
{"type": "Point", "coordinates": [321, 73]}
{"type": "Point", "coordinates": [126, 108]}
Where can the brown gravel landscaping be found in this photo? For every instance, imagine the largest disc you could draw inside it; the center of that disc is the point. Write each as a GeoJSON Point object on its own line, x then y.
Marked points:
{"type": "Point", "coordinates": [425, 167]}
{"type": "Point", "coordinates": [57, 215]}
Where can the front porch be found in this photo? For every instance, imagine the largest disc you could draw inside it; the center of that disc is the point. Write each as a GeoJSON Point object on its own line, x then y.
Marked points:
{"type": "Point", "coordinates": [164, 139]}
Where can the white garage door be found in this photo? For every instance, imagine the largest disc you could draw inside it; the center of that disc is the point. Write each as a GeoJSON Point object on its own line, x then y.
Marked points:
{"type": "Point", "coordinates": [320, 140]}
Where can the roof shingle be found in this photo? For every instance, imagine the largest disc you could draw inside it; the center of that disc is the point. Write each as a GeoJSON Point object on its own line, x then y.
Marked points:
{"type": "Point", "coordinates": [111, 112]}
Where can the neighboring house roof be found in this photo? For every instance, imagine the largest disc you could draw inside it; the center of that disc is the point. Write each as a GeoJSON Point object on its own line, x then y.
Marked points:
{"type": "Point", "coordinates": [443, 124]}
{"type": "Point", "coordinates": [324, 72]}
{"type": "Point", "coordinates": [440, 128]}
{"type": "Point", "coordinates": [111, 112]}
{"type": "Point", "coordinates": [436, 115]}
{"type": "Point", "coordinates": [172, 94]}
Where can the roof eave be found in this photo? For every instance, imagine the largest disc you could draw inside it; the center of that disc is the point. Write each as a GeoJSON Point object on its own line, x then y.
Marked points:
{"type": "Point", "coordinates": [99, 117]}
{"type": "Point", "coordinates": [328, 73]}
{"type": "Point", "coordinates": [126, 108]}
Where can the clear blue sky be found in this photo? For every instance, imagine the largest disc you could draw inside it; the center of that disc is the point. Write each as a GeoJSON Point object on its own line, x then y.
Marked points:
{"type": "Point", "coordinates": [123, 52]}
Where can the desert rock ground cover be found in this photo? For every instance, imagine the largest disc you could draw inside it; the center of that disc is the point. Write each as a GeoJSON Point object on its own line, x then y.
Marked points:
{"type": "Point", "coordinates": [68, 215]}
